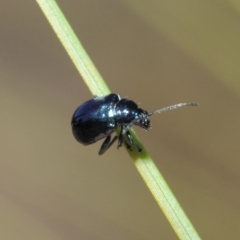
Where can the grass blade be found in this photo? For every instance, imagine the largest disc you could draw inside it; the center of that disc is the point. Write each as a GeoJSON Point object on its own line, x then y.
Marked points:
{"type": "Point", "coordinates": [96, 84]}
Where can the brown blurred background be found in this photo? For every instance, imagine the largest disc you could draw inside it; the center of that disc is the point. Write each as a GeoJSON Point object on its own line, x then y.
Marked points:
{"type": "Point", "coordinates": [154, 52]}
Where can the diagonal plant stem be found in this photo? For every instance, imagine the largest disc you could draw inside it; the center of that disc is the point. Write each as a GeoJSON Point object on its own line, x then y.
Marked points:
{"type": "Point", "coordinates": [96, 84]}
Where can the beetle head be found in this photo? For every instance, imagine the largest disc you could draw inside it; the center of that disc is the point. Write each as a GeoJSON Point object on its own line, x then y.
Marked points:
{"type": "Point", "coordinates": [142, 120]}
{"type": "Point", "coordinates": [143, 117]}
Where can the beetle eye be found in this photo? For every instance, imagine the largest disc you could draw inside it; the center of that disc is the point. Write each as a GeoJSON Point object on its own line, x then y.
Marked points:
{"type": "Point", "coordinates": [146, 123]}
{"type": "Point", "coordinates": [143, 122]}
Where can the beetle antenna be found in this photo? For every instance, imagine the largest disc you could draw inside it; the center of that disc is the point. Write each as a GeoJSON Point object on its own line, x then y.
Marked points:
{"type": "Point", "coordinates": [159, 111]}
{"type": "Point", "coordinates": [173, 107]}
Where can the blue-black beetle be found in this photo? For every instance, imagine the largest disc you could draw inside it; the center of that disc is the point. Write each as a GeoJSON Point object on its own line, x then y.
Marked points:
{"type": "Point", "coordinates": [99, 117]}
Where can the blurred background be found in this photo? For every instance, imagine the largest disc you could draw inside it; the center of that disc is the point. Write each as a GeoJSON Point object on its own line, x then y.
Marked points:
{"type": "Point", "coordinates": [156, 53]}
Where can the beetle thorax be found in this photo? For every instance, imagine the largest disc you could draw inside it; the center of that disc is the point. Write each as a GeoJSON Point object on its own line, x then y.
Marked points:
{"type": "Point", "coordinates": [127, 112]}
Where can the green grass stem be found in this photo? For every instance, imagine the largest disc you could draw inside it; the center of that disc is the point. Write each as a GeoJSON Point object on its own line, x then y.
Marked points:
{"type": "Point", "coordinates": [96, 84]}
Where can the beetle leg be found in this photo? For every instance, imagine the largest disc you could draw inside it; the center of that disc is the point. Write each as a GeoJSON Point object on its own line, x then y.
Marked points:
{"type": "Point", "coordinates": [128, 146]}
{"type": "Point", "coordinates": [104, 146]}
{"type": "Point", "coordinates": [111, 143]}
{"type": "Point", "coordinates": [128, 126]}
{"type": "Point", "coordinates": [130, 139]}
{"type": "Point", "coordinates": [120, 138]}
{"type": "Point", "coordinates": [125, 131]}
{"type": "Point", "coordinates": [107, 144]}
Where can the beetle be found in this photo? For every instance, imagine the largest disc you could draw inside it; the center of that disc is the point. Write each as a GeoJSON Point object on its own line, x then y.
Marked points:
{"type": "Point", "coordinates": [99, 117]}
